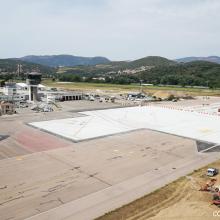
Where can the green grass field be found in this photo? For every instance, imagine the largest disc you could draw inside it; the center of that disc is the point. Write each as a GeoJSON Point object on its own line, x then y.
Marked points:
{"type": "Point", "coordinates": [132, 87]}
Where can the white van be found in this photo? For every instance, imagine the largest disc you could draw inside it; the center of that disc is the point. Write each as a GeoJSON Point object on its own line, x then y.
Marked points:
{"type": "Point", "coordinates": [212, 172]}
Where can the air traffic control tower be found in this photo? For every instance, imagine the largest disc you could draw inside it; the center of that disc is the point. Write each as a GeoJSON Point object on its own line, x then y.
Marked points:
{"type": "Point", "coordinates": [33, 80]}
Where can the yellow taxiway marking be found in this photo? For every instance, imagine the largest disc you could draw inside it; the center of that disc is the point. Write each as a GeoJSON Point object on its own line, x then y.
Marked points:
{"type": "Point", "coordinates": [205, 130]}
{"type": "Point", "coordinates": [19, 158]}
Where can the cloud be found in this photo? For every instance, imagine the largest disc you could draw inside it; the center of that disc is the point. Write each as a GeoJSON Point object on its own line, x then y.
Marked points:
{"type": "Point", "coordinates": [119, 29]}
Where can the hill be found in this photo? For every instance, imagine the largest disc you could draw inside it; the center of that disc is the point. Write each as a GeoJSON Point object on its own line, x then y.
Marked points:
{"type": "Point", "coordinates": [64, 60]}
{"type": "Point", "coordinates": [115, 66]}
{"type": "Point", "coordinates": [214, 59]}
{"type": "Point", "coordinates": [151, 61]}
{"type": "Point", "coordinates": [196, 73]}
{"type": "Point", "coordinates": [9, 66]}
{"type": "Point", "coordinates": [153, 70]}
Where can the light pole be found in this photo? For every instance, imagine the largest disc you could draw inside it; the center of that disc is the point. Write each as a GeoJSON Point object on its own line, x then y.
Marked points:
{"type": "Point", "coordinates": [141, 88]}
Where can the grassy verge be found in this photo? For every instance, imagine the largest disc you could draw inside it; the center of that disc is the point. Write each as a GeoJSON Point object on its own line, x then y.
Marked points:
{"type": "Point", "coordinates": [149, 203]}
{"type": "Point", "coordinates": [132, 87]}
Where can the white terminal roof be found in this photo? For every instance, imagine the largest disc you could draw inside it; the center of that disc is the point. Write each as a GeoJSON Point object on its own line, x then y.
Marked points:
{"type": "Point", "coordinates": [41, 86]}
{"type": "Point", "coordinates": [99, 123]}
{"type": "Point", "coordinates": [21, 84]}
{"type": "Point", "coordinates": [26, 85]}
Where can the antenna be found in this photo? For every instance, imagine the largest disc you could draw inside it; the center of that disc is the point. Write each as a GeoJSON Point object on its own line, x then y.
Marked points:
{"type": "Point", "coordinates": [19, 70]}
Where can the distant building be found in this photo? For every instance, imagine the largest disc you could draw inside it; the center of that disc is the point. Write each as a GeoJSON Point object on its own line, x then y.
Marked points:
{"type": "Point", "coordinates": [147, 84]}
{"type": "Point", "coordinates": [7, 108]}
{"type": "Point", "coordinates": [65, 96]}
{"type": "Point", "coordinates": [24, 86]}
{"type": "Point", "coordinates": [99, 78]}
{"type": "Point", "coordinates": [41, 87]}
{"type": "Point", "coordinates": [13, 98]}
{"type": "Point", "coordinates": [10, 89]}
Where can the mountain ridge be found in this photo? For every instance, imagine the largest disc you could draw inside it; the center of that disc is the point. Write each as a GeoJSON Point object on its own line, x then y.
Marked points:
{"type": "Point", "coordinates": [153, 70]}
{"type": "Point", "coordinates": [213, 59]}
{"type": "Point", "coordinates": [10, 66]}
{"type": "Point", "coordinates": [64, 60]}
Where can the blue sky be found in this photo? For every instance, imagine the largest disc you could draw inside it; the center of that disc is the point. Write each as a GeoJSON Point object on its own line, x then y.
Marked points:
{"type": "Point", "coordinates": [117, 29]}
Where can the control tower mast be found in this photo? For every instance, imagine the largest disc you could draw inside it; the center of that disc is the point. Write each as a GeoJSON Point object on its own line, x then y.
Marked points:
{"type": "Point", "coordinates": [33, 80]}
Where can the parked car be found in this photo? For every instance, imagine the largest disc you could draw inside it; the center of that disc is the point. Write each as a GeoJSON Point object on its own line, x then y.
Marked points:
{"type": "Point", "coordinates": [212, 172]}
{"type": "Point", "coordinates": [91, 98]}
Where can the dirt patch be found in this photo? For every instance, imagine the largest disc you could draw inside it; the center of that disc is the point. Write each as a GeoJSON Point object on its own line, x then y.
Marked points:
{"type": "Point", "coordinates": [166, 94]}
{"type": "Point", "coordinates": [179, 200]}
